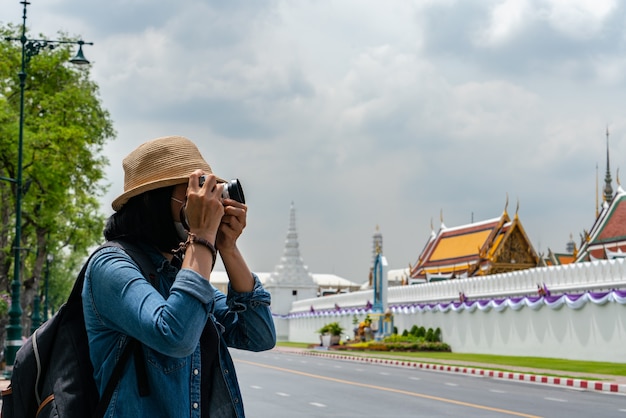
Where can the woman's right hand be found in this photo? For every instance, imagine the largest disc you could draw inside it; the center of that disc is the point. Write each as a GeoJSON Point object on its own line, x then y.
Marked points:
{"type": "Point", "coordinates": [204, 208]}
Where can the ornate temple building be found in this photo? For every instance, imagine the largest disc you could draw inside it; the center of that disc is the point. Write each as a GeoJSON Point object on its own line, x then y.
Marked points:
{"type": "Point", "coordinates": [557, 259]}
{"type": "Point", "coordinates": [607, 237]}
{"type": "Point", "coordinates": [498, 245]}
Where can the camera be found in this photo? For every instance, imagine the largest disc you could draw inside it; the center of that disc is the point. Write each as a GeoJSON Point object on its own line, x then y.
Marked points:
{"type": "Point", "coordinates": [232, 190]}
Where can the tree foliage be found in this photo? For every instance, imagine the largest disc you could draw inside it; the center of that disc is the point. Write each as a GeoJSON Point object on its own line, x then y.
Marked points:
{"type": "Point", "coordinates": [65, 130]}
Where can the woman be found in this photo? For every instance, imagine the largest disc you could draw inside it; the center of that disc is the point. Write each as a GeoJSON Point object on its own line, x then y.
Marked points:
{"type": "Point", "coordinates": [184, 324]}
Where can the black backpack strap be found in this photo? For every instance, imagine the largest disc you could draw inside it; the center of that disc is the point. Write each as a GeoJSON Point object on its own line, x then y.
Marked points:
{"type": "Point", "coordinates": [140, 370]}
{"type": "Point", "coordinates": [145, 264]}
{"type": "Point", "coordinates": [132, 346]}
{"type": "Point", "coordinates": [105, 399]}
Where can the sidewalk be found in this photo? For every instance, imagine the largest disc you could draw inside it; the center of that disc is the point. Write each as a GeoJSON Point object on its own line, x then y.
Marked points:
{"type": "Point", "coordinates": [587, 381]}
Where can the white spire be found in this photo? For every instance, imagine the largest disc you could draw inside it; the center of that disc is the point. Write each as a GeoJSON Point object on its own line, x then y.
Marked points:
{"type": "Point", "coordinates": [291, 270]}
{"type": "Point", "coordinates": [377, 244]}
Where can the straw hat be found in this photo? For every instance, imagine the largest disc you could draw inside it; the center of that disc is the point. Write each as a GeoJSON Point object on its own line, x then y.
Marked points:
{"type": "Point", "coordinates": [159, 163]}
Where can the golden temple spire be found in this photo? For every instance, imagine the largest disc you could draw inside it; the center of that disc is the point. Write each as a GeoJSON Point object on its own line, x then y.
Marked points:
{"type": "Point", "coordinates": [608, 189]}
{"type": "Point", "coordinates": [506, 205]}
{"type": "Point", "coordinates": [597, 187]}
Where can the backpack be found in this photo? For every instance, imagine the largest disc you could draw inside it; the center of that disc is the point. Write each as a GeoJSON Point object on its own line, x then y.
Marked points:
{"type": "Point", "coordinates": [53, 375]}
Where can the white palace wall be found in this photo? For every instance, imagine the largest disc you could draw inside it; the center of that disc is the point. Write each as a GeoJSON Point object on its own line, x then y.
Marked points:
{"type": "Point", "coordinates": [584, 318]}
{"type": "Point", "coordinates": [595, 332]}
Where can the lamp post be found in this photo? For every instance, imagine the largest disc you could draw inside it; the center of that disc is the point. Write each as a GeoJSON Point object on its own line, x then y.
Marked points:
{"type": "Point", "coordinates": [49, 259]}
{"type": "Point", "coordinates": [30, 48]}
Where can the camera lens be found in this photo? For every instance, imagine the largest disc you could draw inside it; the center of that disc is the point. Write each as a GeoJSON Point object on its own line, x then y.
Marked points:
{"type": "Point", "coordinates": [233, 190]}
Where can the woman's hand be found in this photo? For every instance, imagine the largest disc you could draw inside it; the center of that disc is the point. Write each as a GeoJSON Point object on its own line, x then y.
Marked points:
{"type": "Point", "coordinates": [232, 225]}
{"type": "Point", "coordinates": [204, 209]}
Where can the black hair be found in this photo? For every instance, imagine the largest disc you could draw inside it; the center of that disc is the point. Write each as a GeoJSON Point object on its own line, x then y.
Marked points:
{"type": "Point", "coordinates": [146, 218]}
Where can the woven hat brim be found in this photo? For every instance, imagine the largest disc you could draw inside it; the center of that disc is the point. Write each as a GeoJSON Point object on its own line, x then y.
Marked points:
{"type": "Point", "coordinates": [123, 198]}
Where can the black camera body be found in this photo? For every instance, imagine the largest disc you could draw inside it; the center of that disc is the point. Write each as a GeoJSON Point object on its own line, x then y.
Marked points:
{"type": "Point", "coordinates": [232, 190]}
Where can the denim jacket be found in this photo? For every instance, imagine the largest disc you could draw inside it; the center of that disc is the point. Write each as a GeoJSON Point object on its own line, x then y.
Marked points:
{"type": "Point", "coordinates": [168, 317]}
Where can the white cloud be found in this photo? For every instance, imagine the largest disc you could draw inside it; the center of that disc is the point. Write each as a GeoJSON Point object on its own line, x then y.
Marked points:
{"type": "Point", "coordinates": [368, 113]}
{"type": "Point", "coordinates": [505, 21]}
{"type": "Point", "coordinates": [578, 18]}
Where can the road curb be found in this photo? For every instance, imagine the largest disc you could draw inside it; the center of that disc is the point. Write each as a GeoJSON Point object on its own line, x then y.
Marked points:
{"type": "Point", "coordinates": [595, 385]}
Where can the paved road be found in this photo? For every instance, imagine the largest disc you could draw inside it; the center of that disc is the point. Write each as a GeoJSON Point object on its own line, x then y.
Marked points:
{"type": "Point", "coordinates": [280, 385]}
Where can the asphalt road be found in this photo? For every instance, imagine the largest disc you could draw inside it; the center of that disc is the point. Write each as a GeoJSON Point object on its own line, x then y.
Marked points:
{"type": "Point", "coordinates": [277, 384]}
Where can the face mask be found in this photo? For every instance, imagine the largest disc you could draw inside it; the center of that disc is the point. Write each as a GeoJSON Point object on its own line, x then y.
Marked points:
{"type": "Point", "coordinates": [181, 231]}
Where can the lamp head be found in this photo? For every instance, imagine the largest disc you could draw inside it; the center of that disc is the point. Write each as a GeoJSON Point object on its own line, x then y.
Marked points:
{"type": "Point", "coordinates": [79, 58]}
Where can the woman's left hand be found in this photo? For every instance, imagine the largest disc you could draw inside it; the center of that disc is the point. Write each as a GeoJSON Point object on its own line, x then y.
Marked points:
{"type": "Point", "coordinates": [233, 223]}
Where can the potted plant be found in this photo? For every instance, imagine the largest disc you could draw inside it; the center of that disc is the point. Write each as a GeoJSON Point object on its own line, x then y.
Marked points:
{"type": "Point", "coordinates": [332, 329]}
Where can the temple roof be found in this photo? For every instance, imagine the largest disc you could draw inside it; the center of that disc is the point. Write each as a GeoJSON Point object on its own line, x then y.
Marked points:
{"type": "Point", "coordinates": [556, 259]}
{"type": "Point", "coordinates": [607, 237]}
{"type": "Point", "coordinates": [475, 249]}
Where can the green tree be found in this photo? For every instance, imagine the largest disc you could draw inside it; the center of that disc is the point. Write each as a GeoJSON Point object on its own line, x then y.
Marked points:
{"type": "Point", "coordinates": [65, 130]}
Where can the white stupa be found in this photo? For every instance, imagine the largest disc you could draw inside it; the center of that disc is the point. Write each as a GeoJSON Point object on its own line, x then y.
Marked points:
{"type": "Point", "coordinates": [290, 281]}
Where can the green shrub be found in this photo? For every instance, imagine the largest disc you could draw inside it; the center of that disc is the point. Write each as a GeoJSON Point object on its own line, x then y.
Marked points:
{"type": "Point", "coordinates": [430, 335]}
{"type": "Point", "coordinates": [438, 335]}
{"type": "Point", "coordinates": [418, 346]}
{"type": "Point", "coordinates": [421, 333]}
{"type": "Point", "coordinates": [395, 338]}
{"type": "Point", "coordinates": [332, 328]}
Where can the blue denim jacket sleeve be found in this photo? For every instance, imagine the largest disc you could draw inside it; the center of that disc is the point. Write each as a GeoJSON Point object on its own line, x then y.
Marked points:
{"type": "Point", "coordinates": [126, 302]}
{"type": "Point", "coordinates": [246, 317]}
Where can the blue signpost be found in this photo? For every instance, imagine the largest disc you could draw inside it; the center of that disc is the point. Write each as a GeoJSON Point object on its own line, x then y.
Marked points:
{"type": "Point", "coordinates": [382, 316]}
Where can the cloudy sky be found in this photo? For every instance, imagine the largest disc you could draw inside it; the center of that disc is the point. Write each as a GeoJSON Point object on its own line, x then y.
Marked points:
{"type": "Point", "coordinates": [368, 113]}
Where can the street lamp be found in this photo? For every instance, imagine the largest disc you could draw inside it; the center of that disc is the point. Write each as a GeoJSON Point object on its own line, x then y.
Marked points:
{"type": "Point", "coordinates": [30, 48]}
{"type": "Point", "coordinates": [49, 259]}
